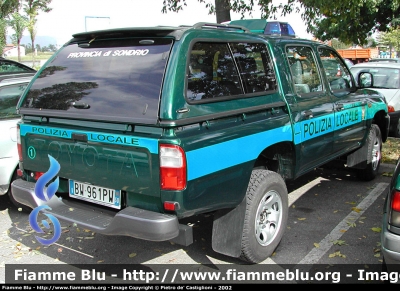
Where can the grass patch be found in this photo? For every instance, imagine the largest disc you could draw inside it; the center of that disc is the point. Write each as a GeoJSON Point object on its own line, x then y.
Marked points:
{"type": "Point", "coordinates": [30, 57]}
{"type": "Point", "coordinates": [391, 150]}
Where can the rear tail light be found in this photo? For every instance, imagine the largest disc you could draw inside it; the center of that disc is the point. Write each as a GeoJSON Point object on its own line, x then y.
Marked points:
{"type": "Point", "coordinates": [37, 175]}
{"type": "Point", "coordinates": [171, 205]}
{"type": "Point", "coordinates": [390, 108]}
{"type": "Point", "coordinates": [19, 143]}
{"type": "Point", "coordinates": [172, 167]}
{"type": "Point", "coordinates": [395, 208]}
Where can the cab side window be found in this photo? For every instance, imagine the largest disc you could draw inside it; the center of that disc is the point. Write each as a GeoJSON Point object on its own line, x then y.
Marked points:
{"type": "Point", "coordinates": [228, 70]}
{"type": "Point", "coordinates": [304, 71]}
{"type": "Point", "coordinates": [339, 77]}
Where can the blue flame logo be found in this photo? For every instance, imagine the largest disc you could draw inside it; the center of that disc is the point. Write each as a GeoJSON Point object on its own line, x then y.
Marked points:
{"type": "Point", "coordinates": [39, 192]}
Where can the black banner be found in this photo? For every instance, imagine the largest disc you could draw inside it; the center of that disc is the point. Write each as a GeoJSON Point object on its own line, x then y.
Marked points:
{"type": "Point", "coordinates": [186, 274]}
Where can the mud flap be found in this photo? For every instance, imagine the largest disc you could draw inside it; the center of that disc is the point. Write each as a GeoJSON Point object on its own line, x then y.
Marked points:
{"type": "Point", "coordinates": [227, 230]}
{"type": "Point", "coordinates": [357, 160]}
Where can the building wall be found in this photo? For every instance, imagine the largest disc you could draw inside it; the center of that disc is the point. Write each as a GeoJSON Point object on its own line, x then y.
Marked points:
{"type": "Point", "coordinates": [13, 52]}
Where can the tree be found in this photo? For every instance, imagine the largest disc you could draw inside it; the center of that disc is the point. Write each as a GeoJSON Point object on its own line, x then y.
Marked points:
{"type": "Point", "coordinates": [336, 44]}
{"type": "Point", "coordinates": [32, 8]}
{"type": "Point", "coordinates": [52, 48]}
{"type": "Point", "coordinates": [350, 21]}
{"type": "Point", "coordinates": [3, 28]}
{"type": "Point", "coordinates": [390, 39]}
{"type": "Point", "coordinates": [222, 10]}
{"type": "Point", "coordinates": [18, 23]}
{"type": "Point", "coordinates": [28, 48]}
{"type": "Point", "coordinates": [7, 7]}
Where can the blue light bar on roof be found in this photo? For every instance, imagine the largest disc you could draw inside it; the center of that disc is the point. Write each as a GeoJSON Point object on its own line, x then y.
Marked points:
{"type": "Point", "coordinates": [279, 28]}
{"type": "Point", "coordinates": [263, 26]}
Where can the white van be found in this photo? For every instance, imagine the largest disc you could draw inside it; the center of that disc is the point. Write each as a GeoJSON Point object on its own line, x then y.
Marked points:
{"type": "Point", "coordinates": [11, 88]}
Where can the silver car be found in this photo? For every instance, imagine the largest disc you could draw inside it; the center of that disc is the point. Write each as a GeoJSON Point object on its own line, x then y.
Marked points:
{"type": "Point", "coordinates": [390, 234]}
{"type": "Point", "coordinates": [11, 88]}
{"type": "Point", "coordinates": [387, 81]}
{"type": "Point", "coordinates": [386, 60]}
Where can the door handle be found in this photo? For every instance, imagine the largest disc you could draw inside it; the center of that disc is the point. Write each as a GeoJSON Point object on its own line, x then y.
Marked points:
{"type": "Point", "coordinates": [339, 106]}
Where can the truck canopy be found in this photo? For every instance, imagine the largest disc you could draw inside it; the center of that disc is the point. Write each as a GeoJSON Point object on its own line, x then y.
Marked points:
{"type": "Point", "coordinates": [99, 80]}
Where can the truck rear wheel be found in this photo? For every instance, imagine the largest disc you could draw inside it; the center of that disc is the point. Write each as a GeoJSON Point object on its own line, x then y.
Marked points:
{"type": "Point", "coordinates": [266, 215]}
{"type": "Point", "coordinates": [374, 153]}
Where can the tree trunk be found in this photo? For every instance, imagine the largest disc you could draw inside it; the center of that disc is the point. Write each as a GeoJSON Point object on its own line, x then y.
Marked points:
{"type": "Point", "coordinates": [3, 35]}
{"type": "Point", "coordinates": [33, 53]}
{"type": "Point", "coordinates": [222, 10]}
{"type": "Point", "coordinates": [19, 51]}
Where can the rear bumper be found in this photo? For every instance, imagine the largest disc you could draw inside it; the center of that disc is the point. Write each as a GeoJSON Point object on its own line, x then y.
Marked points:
{"type": "Point", "coordinates": [390, 245]}
{"type": "Point", "coordinates": [130, 221]}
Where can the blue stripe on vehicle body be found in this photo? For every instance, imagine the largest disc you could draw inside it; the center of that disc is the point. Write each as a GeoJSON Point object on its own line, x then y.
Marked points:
{"type": "Point", "coordinates": [313, 128]}
{"type": "Point", "coordinates": [228, 154]}
{"type": "Point", "coordinates": [207, 160]}
{"type": "Point", "coordinates": [376, 106]}
{"type": "Point", "coordinates": [118, 139]}
{"type": "Point", "coordinates": [318, 126]}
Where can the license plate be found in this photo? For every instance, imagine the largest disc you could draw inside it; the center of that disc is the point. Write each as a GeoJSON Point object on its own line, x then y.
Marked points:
{"type": "Point", "coordinates": [96, 194]}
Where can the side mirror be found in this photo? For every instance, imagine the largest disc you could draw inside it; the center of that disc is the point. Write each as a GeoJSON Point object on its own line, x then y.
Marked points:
{"type": "Point", "coordinates": [365, 80]}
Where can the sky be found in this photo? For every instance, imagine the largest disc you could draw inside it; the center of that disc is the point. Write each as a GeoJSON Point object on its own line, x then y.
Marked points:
{"type": "Point", "coordinates": [73, 16]}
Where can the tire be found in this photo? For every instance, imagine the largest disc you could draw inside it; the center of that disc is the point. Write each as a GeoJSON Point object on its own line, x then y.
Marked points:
{"type": "Point", "coordinates": [18, 205]}
{"type": "Point", "coordinates": [374, 155]}
{"type": "Point", "coordinates": [265, 217]}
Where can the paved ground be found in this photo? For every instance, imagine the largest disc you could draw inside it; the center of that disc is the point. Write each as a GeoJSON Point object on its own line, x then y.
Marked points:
{"type": "Point", "coordinates": [334, 219]}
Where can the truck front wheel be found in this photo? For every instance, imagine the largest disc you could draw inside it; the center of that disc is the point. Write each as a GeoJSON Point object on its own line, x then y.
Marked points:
{"type": "Point", "coordinates": [265, 217]}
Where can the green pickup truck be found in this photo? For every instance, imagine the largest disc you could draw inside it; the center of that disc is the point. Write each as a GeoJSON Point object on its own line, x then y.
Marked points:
{"type": "Point", "coordinates": [151, 125]}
